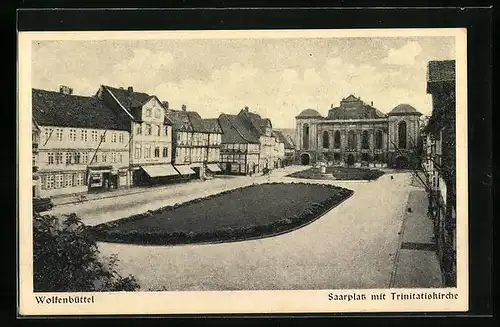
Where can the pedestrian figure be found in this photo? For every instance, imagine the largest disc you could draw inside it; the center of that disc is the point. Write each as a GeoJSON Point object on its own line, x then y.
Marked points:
{"type": "Point", "coordinates": [392, 177]}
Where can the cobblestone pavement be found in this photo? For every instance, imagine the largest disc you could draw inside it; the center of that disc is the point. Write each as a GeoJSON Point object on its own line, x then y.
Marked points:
{"type": "Point", "coordinates": [352, 246]}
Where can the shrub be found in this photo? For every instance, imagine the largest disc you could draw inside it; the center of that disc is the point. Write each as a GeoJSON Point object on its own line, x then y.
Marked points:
{"type": "Point", "coordinates": [66, 259]}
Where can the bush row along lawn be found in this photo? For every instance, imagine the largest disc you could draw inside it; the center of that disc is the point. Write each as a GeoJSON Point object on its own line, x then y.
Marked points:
{"type": "Point", "coordinates": [339, 173]}
{"type": "Point", "coordinates": [247, 212]}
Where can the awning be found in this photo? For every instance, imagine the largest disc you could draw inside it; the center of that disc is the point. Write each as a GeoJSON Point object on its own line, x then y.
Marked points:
{"type": "Point", "coordinates": [184, 170]}
{"type": "Point", "coordinates": [213, 168]}
{"type": "Point", "coordinates": [160, 170]}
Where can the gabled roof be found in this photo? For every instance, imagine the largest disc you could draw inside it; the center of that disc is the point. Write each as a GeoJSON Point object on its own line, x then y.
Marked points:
{"type": "Point", "coordinates": [191, 121]}
{"type": "Point", "coordinates": [258, 123]}
{"type": "Point", "coordinates": [236, 130]}
{"type": "Point", "coordinates": [403, 109]}
{"type": "Point", "coordinates": [130, 100]}
{"type": "Point", "coordinates": [283, 139]}
{"type": "Point", "coordinates": [65, 110]}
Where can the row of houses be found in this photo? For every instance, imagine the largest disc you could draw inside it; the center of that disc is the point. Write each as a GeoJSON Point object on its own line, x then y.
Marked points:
{"type": "Point", "coordinates": [439, 164]}
{"type": "Point", "coordinates": [122, 138]}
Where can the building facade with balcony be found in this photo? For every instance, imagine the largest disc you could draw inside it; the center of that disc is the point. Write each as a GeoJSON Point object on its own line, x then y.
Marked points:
{"type": "Point", "coordinates": [358, 134]}
{"type": "Point", "coordinates": [83, 146]}
{"type": "Point", "coordinates": [196, 143]}
{"type": "Point", "coordinates": [149, 139]}
{"type": "Point", "coordinates": [439, 163]}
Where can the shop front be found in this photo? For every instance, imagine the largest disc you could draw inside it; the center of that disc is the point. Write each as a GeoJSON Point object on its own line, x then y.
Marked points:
{"type": "Point", "coordinates": [102, 178]}
{"type": "Point", "coordinates": [158, 174]}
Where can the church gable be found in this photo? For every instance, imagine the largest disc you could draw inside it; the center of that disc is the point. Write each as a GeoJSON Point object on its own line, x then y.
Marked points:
{"type": "Point", "coordinates": [352, 107]}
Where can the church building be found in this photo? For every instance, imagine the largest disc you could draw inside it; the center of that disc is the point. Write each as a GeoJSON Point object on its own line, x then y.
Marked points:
{"type": "Point", "coordinates": [358, 134]}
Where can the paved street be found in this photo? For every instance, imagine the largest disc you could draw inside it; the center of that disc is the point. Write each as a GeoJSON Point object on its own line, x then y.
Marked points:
{"type": "Point", "coordinates": [98, 211]}
{"type": "Point", "coordinates": [352, 246]}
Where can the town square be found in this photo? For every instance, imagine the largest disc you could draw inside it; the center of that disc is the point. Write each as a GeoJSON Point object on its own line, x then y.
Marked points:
{"type": "Point", "coordinates": [244, 164]}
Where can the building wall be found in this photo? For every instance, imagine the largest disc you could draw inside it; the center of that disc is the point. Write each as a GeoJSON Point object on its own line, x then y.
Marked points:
{"type": "Point", "coordinates": [266, 158]}
{"type": "Point", "coordinates": [151, 139]}
{"type": "Point", "coordinates": [240, 158]}
{"type": "Point", "coordinates": [66, 154]}
{"type": "Point", "coordinates": [35, 140]}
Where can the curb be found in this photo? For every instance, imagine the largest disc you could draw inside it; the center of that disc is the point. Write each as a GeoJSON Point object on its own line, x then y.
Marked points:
{"type": "Point", "coordinates": [400, 241]}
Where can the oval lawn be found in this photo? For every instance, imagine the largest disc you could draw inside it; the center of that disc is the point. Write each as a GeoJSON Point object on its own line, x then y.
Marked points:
{"type": "Point", "coordinates": [254, 211]}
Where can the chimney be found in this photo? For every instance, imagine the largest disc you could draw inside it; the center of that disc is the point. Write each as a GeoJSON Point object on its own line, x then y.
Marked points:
{"type": "Point", "coordinates": [371, 103]}
{"type": "Point", "coordinates": [246, 108]}
{"type": "Point", "coordinates": [165, 104]}
{"type": "Point", "coordinates": [130, 89]}
{"type": "Point", "coordinates": [184, 107]}
{"type": "Point", "coordinates": [64, 89]}
{"type": "Point", "coordinates": [331, 106]}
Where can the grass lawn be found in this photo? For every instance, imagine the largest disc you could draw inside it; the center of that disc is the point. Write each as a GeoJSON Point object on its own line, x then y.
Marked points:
{"type": "Point", "coordinates": [339, 173]}
{"type": "Point", "coordinates": [251, 211]}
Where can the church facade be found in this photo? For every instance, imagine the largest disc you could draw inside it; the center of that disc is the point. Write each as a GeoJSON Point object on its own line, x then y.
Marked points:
{"type": "Point", "coordinates": [358, 134]}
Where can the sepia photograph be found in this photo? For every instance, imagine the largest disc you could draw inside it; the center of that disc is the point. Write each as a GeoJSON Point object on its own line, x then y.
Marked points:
{"type": "Point", "coordinates": [243, 171]}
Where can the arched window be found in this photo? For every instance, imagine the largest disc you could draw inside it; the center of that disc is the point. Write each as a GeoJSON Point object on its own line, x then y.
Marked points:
{"type": "Point", "coordinates": [336, 139]}
{"type": "Point", "coordinates": [351, 140]}
{"type": "Point", "coordinates": [402, 135]}
{"type": "Point", "coordinates": [326, 140]}
{"type": "Point", "coordinates": [305, 137]}
{"type": "Point", "coordinates": [365, 140]}
{"type": "Point", "coordinates": [378, 139]}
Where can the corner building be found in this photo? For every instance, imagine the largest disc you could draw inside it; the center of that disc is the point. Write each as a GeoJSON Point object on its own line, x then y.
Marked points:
{"type": "Point", "coordinates": [358, 134]}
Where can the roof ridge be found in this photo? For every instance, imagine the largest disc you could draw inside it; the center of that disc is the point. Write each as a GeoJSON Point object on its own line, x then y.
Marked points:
{"type": "Point", "coordinates": [236, 129]}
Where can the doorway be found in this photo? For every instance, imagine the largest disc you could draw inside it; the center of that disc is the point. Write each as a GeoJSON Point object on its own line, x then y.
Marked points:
{"type": "Point", "coordinates": [305, 159]}
{"type": "Point", "coordinates": [350, 160]}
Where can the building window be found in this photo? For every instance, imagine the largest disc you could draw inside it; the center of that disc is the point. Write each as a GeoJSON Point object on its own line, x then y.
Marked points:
{"type": "Point", "coordinates": [121, 138]}
{"type": "Point", "coordinates": [59, 134]}
{"type": "Point", "coordinates": [139, 130]}
{"type": "Point", "coordinates": [148, 112]}
{"type": "Point", "coordinates": [157, 152]}
{"type": "Point", "coordinates": [48, 133]}
{"type": "Point", "coordinates": [72, 135]}
{"type": "Point", "coordinates": [68, 158]}
{"type": "Point", "coordinates": [76, 157]}
{"type": "Point", "coordinates": [120, 157]}
{"type": "Point", "coordinates": [166, 130]}
{"type": "Point", "coordinates": [103, 137]}
{"type": "Point", "coordinates": [48, 182]}
{"type": "Point", "coordinates": [365, 140]}
{"type": "Point", "coordinates": [103, 157]}
{"type": "Point", "coordinates": [305, 137]}
{"type": "Point", "coordinates": [85, 157]}
{"type": "Point", "coordinates": [113, 157]}
{"type": "Point", "coordinates": [336, 139]}
{"type": "Point", "coordinates": [157, 113]}
{"type": "Point", "coordinates": [326, 140]}
{"type": "Point", "coordinates": [50, 156]}
{"type": "Point", "coordinates": [59, 181]}
{"type": "Point", "coordinates": [148, 129]}
{"type": "Point", "coordinates": [402, 135]}
{"type": "Point", "coordinates": [378, 139]}
{"type": "Point", "coordinates": [59, 158]}
{"type": "Point", "coordinates": [94, 136]}
{"type": "Point", "coordinates": [83, 136]}
{"type": "Point", "coordinates": [147, 151]}
{"type": "Point", "coordinates": [68, 180]}
{"type": "Point", "coordinates": [165, 152]}
{"type": "Point", "coordinates": [113, 137]}
{"type": "Point", "coordinates": [79, 179]}
{"type": "Point", "coordinates": [158, 131]}
{"type": "Point", "coordinates": [351, 140]}
{"type": "Point", "coordinates": [137, 152]}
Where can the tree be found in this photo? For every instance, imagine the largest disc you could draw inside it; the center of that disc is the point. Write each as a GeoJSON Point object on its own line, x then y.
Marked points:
{"type": "Point", "coordinates": [66, 259]}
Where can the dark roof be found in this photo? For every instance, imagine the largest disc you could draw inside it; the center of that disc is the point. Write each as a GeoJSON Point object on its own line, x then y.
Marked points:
{"type": "Point", "coordinates": [64, 110]}
{"type": "Point", "coordinates": [132, 101]}
{"type": "Point", "coordinates": [283, 139]}
{"type": "Point", "coordinates": [403, 109]}
{"type": "Point", "coordinates": [309, 113]}
{"type": "Point", "coordinates": [236, 130]}
{"type": "Point", "coordinates": [256, 121]}
{"type": "Point", "coordinates": [352, 107]}
{"type": "Point", "coordinates": [443, 70]}
{"type": "Point", "coordinates": [191, 121]}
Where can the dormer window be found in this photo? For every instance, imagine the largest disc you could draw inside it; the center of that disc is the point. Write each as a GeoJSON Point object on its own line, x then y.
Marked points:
{"type": "Point", "coordinates": [148, 112]}
{"type": "Point", "coordinates": [157, 113]}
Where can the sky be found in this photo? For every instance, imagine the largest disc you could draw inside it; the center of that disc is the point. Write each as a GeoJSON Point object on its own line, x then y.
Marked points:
{"type": "Point", "coordinates": [276, 78]}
